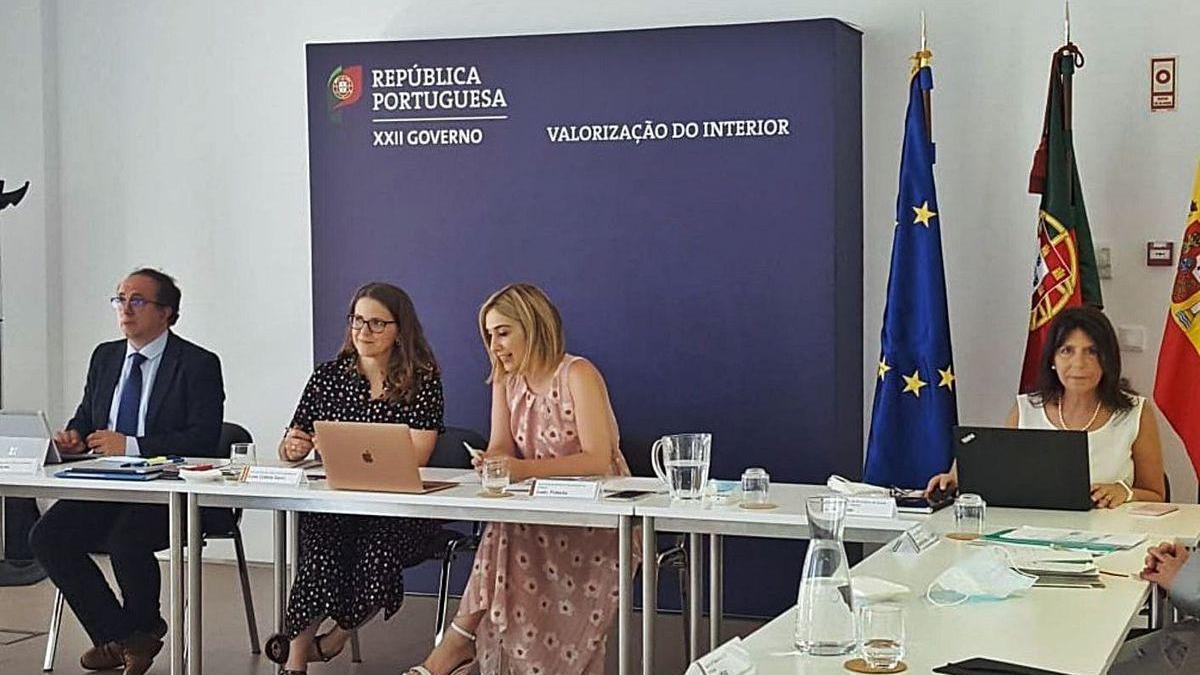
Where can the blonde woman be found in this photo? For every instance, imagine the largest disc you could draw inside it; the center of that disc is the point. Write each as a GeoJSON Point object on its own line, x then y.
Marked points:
{"type": "Point", "coordinates": [540, 598]}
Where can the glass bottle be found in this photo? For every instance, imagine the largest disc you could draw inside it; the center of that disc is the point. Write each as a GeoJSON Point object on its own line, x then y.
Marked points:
{"type": "Point", "coordinates": [824, 604]}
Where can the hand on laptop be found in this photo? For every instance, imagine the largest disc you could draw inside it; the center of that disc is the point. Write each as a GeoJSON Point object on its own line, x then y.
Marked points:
{"type": "Point", "coordinates": [296, 445]}
{"type": "Point", "coordinates": [1108, 495]}
{"type": "Point", "coordinates": [69, 441]}
{"type": "Point", "coordinates": [1163, 563]}
{"type": "Point", "coordinates": [106, 442]}
{"type": "Point", "coordinates": [941, 487]}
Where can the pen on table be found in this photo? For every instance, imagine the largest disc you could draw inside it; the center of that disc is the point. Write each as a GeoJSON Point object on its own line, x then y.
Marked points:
{"type": "Point", "coordinates": [1115, 574]}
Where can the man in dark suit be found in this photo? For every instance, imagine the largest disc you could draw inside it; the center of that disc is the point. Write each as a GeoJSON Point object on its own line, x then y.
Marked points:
{"type": "Point", "coordinates": [152, 393]}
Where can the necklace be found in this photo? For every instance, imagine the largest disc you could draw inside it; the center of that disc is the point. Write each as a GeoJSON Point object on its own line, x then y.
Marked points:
{"type": "Point", "coordinates": [1062, 423]}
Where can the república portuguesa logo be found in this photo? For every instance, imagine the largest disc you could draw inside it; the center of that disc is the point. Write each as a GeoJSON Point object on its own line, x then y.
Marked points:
{"type": "Point", "coordinates": [345, 88]}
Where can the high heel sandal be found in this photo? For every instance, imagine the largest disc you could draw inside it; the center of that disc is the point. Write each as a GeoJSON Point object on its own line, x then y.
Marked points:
{"type": "Point", "coordinates": [462, 668]}
{"type": "Point", "coordinates": [279, 645]}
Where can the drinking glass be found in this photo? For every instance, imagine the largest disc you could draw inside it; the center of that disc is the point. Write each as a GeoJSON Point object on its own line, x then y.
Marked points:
{"type": "Point", "coordinates": [881, 635]}
{"type": "Point", "coordinates": [495, 475]}
{"type": "Point", "coordinates": [756, 486]}
{"type": "Point", "coordinates": [242, 454]}
{"type": "Point", "coordinates": [969, 511]}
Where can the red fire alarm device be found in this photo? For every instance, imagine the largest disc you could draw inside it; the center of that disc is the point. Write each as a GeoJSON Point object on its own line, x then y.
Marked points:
{"type": "Point", "coordinates": [1160, 253]}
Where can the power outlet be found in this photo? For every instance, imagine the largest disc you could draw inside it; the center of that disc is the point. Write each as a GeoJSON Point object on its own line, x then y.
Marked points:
{"type": "Point", "coordinates": [1132, 338]}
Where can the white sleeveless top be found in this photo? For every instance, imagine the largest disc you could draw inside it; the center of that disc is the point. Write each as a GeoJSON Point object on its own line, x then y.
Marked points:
{"type": "Point", "coordinates": [1110, 448]}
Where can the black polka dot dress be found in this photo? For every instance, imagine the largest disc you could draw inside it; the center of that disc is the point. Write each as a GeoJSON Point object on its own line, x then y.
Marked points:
{"type": "Point", "coordinates": [353, 566]}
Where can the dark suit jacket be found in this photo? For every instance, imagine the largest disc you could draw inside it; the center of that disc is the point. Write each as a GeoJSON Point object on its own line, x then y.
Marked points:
{"type": "Point", "coordinates": [187, 401]}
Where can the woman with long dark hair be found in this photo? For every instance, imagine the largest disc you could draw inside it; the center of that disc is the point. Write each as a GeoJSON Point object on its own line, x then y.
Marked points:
{"type": "Point", "coordinates": [351, 567]}
{"type": "Point", "coordinates": [1080, 388]}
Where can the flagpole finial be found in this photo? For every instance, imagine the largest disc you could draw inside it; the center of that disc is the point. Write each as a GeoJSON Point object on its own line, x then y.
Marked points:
{"type": "Point", "coordinates": [1067, 21]}
{"type": "Point", "coordinates": [922, 58]}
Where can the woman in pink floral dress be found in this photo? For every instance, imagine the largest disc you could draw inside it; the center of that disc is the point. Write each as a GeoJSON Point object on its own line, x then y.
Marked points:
{"type": "Point", "coordinates": [540, 599]}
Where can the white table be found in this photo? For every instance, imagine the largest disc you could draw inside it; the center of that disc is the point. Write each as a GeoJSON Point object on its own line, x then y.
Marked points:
{"type": "Point", "coordinates": [44, 485]}
{"type": "Point", "coordinates": [457, 503]}
{"type": "Point", "coordinates": [788, 521]}
{"type": "Point", "coordinates": [1065, 630]}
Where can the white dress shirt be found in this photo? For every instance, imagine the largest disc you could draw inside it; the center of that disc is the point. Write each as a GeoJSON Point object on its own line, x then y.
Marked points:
{"type": "Point", "coordinates": [153, 352]}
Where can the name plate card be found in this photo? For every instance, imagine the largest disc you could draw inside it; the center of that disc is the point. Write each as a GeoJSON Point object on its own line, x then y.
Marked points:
{"type": "Point", "coordinates": [566, 489]}
{"type": "Point", "coordinates": [273, 475]}
{"type": "Point", "coordinates": [915, 539]}
{"type": "Point", "coordinates": [19, 465]}
{"type": "Point", "coordinates": [871, 507]}
{"type": "Point", "coordinates": [730, 658]}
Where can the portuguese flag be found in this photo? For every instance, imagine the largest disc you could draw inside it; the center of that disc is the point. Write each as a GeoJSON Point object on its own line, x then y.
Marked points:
{"type": "Point", "coordinates": [1177, 384]}
{"type": "Point", "coordinates": [1065, 273]}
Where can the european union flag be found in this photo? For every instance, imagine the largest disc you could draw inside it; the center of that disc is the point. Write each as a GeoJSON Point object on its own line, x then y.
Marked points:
{"type": "Point", "coordinates": [915, 405]}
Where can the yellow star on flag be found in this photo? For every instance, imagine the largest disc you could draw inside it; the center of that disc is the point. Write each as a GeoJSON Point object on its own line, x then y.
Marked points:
{"type": "Point", "coordinates": [913, 383]}
{"type": "Point", "coordinates": [947, 377]}
{"type": "Point", "coordinates": [883, 367]}
{"type": "Point", "coordinates": [922, 214]}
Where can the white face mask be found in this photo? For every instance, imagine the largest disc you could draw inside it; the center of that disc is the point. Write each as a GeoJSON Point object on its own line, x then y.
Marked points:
{"type": "Point", "coordinates": [985, 575]}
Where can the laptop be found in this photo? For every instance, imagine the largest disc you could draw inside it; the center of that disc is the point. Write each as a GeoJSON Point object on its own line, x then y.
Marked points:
{"type": "Point", "coordinates": [26, 434]}
{"type": "Point", "coordinates": [372, 456]}
{"type": "Point", "coordinates": [1025, 468]}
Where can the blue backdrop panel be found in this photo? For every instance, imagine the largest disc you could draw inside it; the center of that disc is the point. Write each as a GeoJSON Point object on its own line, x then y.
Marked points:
{"type": "Point", "coordinates": [716, 281]}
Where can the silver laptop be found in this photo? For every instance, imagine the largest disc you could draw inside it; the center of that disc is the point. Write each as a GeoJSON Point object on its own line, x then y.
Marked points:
{"type": "Point", "coordinates": [26, 434]}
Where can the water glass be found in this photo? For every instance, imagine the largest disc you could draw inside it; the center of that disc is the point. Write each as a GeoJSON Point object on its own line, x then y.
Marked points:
{"type": "Point", "coordinates": [495, 475]}
{"type": "Point", "coordinates": [242, 454]}
{"type": "Point", "coordinates": [756, 486]}
{"type": "Point", "coordinates": [881, 635]}
{"type": "Point", "coordinates": [969, 510]}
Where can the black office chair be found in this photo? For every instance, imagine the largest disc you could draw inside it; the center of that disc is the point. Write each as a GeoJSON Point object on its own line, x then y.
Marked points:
{"type": "Point", "coordinates": [221, 524]}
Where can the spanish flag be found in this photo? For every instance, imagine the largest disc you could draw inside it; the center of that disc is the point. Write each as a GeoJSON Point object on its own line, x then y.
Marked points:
{"type": "Point", "coordinates": [1177, 384]}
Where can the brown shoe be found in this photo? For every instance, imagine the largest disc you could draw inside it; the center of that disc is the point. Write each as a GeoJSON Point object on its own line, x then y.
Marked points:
{"type": "Point", "coordinates": [138, 652]}
{"type": "Point", "coordinates": [103, 657]}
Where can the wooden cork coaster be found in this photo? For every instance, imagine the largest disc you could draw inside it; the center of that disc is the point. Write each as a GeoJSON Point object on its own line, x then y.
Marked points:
{"type": "Point", "coordinates": [758, 507]}
{"type": "Point", "coordinates": [962, 536]}
{"type": "Point", "coordinates": [860, 666]}
{"type": "Point", "coordinates": [493, 495]}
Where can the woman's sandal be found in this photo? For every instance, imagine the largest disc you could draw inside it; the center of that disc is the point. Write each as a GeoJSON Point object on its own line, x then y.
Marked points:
{"type": "Point", "coordinates": [289, 671]}
{"type": "Point", "coordinates": [462, 668]}
{"type": "Point", "coordinates": [279, 645]}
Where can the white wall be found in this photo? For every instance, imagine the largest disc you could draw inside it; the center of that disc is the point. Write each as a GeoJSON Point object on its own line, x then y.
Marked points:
{"type": "Point", "coordinates": [181, 138]}
{"type": "Point", "coordinates": [28, 240]}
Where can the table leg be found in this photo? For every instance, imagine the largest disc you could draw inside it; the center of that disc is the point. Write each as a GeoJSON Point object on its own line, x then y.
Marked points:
{"type": "Point", "coordinates": [649, 593]}
{"type": "Point", "coordinates": [3, 529]}
{"type": "Point", "coordinates": [695, 592]}
{"type": "Point", "coordinates": [1154, 619]}
{"type": "Point", "coordinates": [625, 591]}
{"type": "Point", "coordinates": [175, 581]}
{"type": "Point", "coordinates": [293, 546]}
{"type": "Point", "coordinates": [279, 564]}
{"type": "Point", "coordinates": [716, 588]}
{"type": "Point", "coordinates": [195, 629]}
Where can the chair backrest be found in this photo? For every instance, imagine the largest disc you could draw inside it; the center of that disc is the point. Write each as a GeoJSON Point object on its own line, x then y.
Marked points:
{"type": "Point", "coordinates": [232, 432]}
{"type": "Point", "coordinates": [449, 453]}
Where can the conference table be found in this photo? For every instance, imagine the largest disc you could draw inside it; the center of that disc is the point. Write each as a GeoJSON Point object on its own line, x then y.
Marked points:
{"type": "Point", "coordinates": [1058, 629]}
{"type": "Point", "coordinates": [461, 502]}
{"type": "Point", "coordinates": [658, 513]}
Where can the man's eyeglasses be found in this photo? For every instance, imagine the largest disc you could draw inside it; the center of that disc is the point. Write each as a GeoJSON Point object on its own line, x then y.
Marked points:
{"type": "Point", "coordinates": [374, 325]}
{"type": "Point", "coordinates": [136, 302]}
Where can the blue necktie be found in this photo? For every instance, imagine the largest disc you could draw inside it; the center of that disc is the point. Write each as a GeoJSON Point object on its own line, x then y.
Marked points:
{"type": "Point", "coordinates": [131, 398]}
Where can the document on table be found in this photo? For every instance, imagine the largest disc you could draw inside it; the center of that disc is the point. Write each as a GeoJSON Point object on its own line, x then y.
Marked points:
{"type": "Point", "coordinates": [1054, 536]}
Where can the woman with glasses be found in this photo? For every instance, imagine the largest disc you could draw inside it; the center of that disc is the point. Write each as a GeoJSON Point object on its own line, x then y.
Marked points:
{"type": "Point", "coordinates": [352, 566]}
